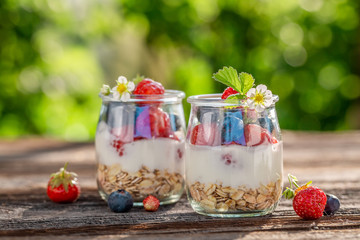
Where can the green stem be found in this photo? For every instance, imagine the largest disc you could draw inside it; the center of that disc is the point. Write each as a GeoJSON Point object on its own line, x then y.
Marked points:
{"type": "Point", "coordinates": [64, 169]}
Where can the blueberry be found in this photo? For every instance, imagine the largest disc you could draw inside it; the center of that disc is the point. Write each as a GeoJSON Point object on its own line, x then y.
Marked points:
{"type": "Point", "coordinates": [332, 204]}
{"type": "Point", "coordinates": [120, 201]}
{"type": "Point", "coordinates": [233, 129]}
{"type": "Point", "coordinates": [266, 123]}
{"type": "Point", "coordinates": [175, 122]}
{"type": "Point", "coordinates": [142, 122]}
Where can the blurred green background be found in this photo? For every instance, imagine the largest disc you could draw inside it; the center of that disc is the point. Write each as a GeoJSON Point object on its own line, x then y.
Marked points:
{"type": "Point", "coordinates": [56, 54]}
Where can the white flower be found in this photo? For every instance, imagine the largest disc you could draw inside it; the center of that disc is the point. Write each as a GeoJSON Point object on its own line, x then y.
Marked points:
{"type": "Point", "coordinates": [259, 98]}
{"type": "Point", "coordinates": [123, 89]}
{"type": "Point", "coordinates": [105, 90]}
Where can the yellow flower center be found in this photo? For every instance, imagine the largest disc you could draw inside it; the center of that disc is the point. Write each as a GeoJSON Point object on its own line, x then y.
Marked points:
{"type": "Point", "coordinates": [121, 88]}
{"type": "Point", "coordinates": [259, 98]}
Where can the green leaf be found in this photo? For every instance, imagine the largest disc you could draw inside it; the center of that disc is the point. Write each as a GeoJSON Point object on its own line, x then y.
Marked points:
{"type": "Point", "coordinates": [229, 77]}
{"type": "Point", "coordinates": [138, 79]}
{"type": "Point", "coordinates": [247, 82]}
{"type": "Point", "coordinates": [234, 98]}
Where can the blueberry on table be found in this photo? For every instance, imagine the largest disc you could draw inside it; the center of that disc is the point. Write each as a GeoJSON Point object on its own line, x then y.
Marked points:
{"type": "Point", "coordinates": [120, 201]}
{"type": "Point", "coordinates": [332, 205]}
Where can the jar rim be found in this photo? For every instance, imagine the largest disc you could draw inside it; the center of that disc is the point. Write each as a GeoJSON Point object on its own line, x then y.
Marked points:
{"type": "Point", "coordinates": [216, 101]}
{"type": "Point", "coordinates": [169, 96]}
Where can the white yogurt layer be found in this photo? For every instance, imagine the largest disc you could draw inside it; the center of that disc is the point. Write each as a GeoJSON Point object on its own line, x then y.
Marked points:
{"type": "Point", "coordinates": [250, 166]}
{"type": "Point", "coordinates": [159, 153]}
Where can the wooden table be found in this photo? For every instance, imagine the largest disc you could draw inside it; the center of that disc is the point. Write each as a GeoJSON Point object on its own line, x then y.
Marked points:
{"type": "Point", "coordinates": [331, 160]}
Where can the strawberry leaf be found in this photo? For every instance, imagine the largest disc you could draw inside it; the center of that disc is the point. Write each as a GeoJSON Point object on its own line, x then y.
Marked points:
{"type": "Point", "coordinates": [229, 77]}
{"type": "Point", "coordinates": [247, 82]}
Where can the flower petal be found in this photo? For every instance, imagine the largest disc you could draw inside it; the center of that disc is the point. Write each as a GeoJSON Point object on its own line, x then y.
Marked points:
{"type": "Point", "coordinates": [268, 94]}
{"type": "Point", "coordinates": [122, 80]}
{"type": "Point", "coordinates": [259, 107]}
{"type": "Point", "coordinates": [261, 88]}
{"type": "Point", "coordinates": [125, 96]}
{"type": "Point", "coordinates": [130, 86]}
{"type": "Point", "coordinates": [250, 103]}
{"type": "Point", "coordinates": [268, 102]}
{"type": "Point", "coordinates": [116, 94]}
{"type": "Point", "coordinates": [251, 93]}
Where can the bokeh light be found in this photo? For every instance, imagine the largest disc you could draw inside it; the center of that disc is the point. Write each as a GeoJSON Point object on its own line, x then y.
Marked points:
{"type": "Point", "coordinates": [55, 55]}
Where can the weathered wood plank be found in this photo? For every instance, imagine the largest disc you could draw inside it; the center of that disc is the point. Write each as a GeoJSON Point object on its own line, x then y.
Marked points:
{"type": "Point", "coordinates": [331, 160]}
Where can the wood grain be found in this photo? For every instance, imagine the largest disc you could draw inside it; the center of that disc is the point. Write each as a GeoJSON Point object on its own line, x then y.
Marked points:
{"type": "Point", "coordinates": [331, 160]}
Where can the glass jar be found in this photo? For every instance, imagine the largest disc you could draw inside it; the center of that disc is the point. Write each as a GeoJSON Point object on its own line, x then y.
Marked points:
{"type": "Point", "coordinates": [233, 158]}
{"type": "Point", "coordinates": [140, 146]}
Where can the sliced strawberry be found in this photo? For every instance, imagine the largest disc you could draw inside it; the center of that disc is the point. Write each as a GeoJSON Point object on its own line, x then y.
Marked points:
{"type": "Point", "coordinates": [205, 134]}
{"type": "Point", "coordinates": [256, 135]}
{"type": "Point", "coordinates": [149, 87]}
{"type": "Point", "coordinates": [227, 92]}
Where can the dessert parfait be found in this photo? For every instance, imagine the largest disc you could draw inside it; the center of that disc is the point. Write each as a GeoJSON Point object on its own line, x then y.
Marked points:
{"type": "Point", "coordinates": [140, 141]}
{"type": "Point", "coordinates": [234, 149]}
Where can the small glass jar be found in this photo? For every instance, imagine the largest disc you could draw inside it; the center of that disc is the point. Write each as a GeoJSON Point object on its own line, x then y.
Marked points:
{"type": "Point", "coordinates": [234, 159]}
{"type": "Point", "coordinates": [140, 146]}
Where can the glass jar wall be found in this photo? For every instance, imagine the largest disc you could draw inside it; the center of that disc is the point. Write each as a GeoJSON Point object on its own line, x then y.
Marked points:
{"type": "Point", "coordinates": [234, 161]}
{"type": "Point", "coordinates": [140, 146]}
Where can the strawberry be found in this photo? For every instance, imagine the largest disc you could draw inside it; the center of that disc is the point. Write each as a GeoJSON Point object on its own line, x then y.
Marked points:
{"type": "Point", "coordinates": [63, 186]}
{"type": "Point", "coordinates": [205, 134]}
{"type": "Point", "coordinates": [227, 92]}
{"type": "Point", "coordinates": [151, 203]}
{"type": "Point", "coordinates": [256, 135]}
{"type": "Point", "coordinates": [149, 87]}
{"type": "Point", "coordinates": [310, 203]}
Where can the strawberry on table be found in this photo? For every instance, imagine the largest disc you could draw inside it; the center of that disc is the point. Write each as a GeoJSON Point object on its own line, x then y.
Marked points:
{"type": "Point", "coordinates": [151, 203]}
{"type": "Point", "coordinates": [63, 186]}
{"type": "Point", "coordinates": [308, 201]}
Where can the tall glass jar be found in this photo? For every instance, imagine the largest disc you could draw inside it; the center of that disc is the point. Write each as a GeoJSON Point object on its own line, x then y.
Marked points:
{"type": "Point", "coordinates": [234, 160]}
{"type": "Point", "coordinates": [140, 146]}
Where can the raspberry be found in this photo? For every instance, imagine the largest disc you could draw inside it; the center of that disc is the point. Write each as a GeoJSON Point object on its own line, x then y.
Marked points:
{"type": "Point", "coordinates": [149, 87]}
{"type": "Point", "coordinates": [227, 92]}
{"type": "Point", "coordinates": [151, 203]}
{"type": "Point", "coordinates": [310, 203]}
{"type": "Point", "coordinates": [159, 123]}
{"type": "Point", "coordinates": [119, 146]}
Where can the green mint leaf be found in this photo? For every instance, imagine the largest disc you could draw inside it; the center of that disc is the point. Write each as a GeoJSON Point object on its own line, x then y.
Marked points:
{"type": "Point", "coordinates": [229, 77]}
{"type": "Point", "coordinates": [247, 81]}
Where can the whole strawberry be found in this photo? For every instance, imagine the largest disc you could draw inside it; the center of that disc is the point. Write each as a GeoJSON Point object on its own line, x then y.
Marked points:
{"type": "Point", "coordinates": [309, 202]}
{"type": "Point", "coordinates": [63, 186]}
{"type": "Point", "coordinates": [151, 203]}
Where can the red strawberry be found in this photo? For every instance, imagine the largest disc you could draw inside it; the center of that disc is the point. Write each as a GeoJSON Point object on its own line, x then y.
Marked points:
{"type": "Point", "coordinates": [310, 203]}
{"type": "Point", "coordinates": [151, 203]}
{"type": "Point", "coordinates": [63, 186]}
{"type": "Point", "coordinates": [159, 123]}
{"type": "Point", "coordinates": [227, 92]}
{"type": "Point", "coordinates": [256, 135]}
{"type": "Point", "coordinates": [149, 87]}
{"type": "Point", "coordinates": [205, 134]}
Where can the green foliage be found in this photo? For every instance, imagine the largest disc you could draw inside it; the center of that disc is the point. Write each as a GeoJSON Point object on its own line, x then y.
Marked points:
{"type": "Point", "coordinates": [55, 56]}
